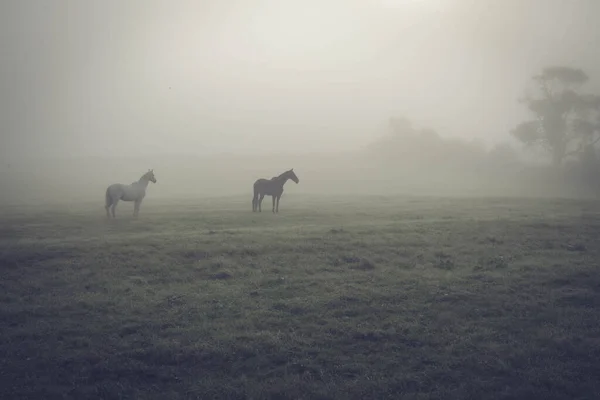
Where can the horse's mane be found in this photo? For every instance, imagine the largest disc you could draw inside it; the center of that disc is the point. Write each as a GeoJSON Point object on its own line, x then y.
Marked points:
{"type": "Point", "coordinates": [145, 176]}
{"type": "Point", "coordinates": [280, 175]}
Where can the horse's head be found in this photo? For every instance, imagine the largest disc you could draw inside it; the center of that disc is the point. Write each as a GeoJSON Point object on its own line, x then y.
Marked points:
{"type": "Point", "coordinates": [149, 176]}
{"type": "Point", "coordinates": [292, 175]}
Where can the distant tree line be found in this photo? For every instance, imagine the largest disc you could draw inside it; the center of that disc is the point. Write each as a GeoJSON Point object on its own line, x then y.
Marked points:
{"type": "Point", "coordinates": [404, 144]}
{"type": "Point", "coordinates": [564, 125]}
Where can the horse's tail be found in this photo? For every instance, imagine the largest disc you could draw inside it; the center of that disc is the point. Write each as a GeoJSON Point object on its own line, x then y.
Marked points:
{"type": "Point", "coordinates": [108, 200]}
{"type": "Point", "coordinates": [255, 197]}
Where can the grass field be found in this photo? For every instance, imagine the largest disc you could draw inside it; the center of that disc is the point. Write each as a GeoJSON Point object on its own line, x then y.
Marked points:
{"type": "Point", "coordinates": [360, 298]}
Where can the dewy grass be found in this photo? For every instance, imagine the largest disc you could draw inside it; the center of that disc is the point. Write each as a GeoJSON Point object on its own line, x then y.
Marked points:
{"type": "Point", "coordinates": [402, 298]}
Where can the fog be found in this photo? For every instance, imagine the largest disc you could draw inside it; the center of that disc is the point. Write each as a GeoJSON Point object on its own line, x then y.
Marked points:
{"type": "Point", "coordinates": [216, 94]}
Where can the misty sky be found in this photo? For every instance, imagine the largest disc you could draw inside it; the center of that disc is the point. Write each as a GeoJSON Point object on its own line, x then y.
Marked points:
{"type": "Point", "coordinates": [86, 77]}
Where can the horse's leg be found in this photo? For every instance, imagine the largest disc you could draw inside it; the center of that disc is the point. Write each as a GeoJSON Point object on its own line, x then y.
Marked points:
{"type": "Point", "coordinates": [278, 197]}
{"type": "Point", "coordinates": [136, 208]}
{"type": "Point", "coordinates": [260, 199]}
{"type": "Point", "coordinates": [114, 206]}
{"type": "Point", "coordinates": [274, 198]}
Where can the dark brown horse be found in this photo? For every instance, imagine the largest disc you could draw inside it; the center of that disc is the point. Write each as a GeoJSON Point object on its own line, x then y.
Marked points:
{"type": "Point", "coordinates": [271, 187]}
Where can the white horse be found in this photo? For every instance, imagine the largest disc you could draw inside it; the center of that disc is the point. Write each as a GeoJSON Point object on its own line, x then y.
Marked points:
{"type": "Point", "coordinates": [134, 192]}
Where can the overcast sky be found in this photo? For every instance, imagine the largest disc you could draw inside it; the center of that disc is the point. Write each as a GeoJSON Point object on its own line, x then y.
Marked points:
{"type": "Point", "coordinates": [181, 76]}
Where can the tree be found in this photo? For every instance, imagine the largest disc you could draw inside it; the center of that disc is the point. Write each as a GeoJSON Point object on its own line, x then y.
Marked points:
{"type": "Point", "coordinates": [566, 121]}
